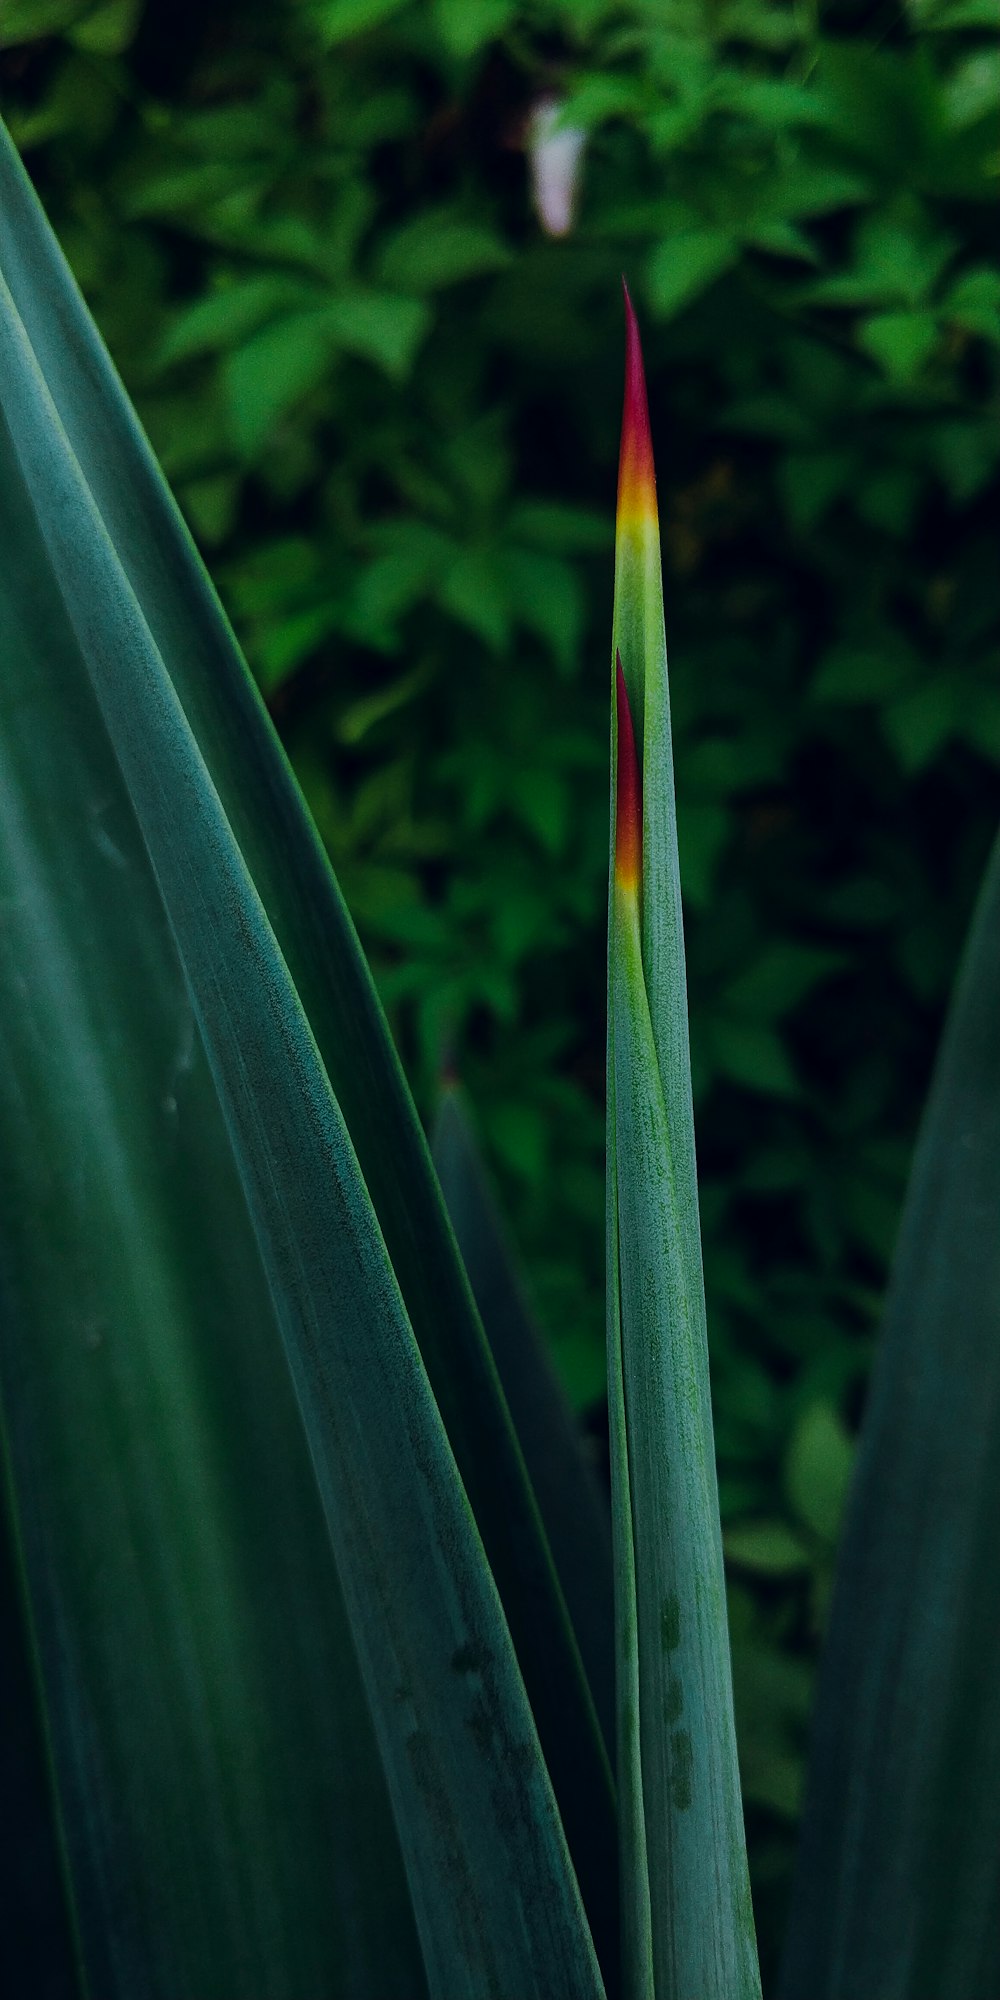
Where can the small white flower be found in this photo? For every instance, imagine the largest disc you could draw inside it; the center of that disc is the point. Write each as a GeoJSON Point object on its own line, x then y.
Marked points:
{"type": "Point", "coordinates": [554, 158]}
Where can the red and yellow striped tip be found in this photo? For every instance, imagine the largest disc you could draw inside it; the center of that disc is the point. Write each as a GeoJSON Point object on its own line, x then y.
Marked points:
{"type": "Point", "coordinates": [636, 475]}
{"type": "Point", "coordinates": [628, 794]}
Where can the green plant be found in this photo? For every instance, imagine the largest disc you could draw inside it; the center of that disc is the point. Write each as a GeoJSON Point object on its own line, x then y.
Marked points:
{"type": "Point", "coordinates": [196, 1242]}
{"type": "Point", "coordinates": [218, 1194]}
{"type": "Point", "coordinates": [777, 180]}
{"type": "Point", "coordinates": [688, 1923]}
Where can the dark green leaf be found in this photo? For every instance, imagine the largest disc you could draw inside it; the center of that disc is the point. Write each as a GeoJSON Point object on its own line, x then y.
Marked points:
{"type": "Point", "coordinates": [683, 265]}
{"type": "Point", "coordinates": [186, 1619]}
{"type": "Point", "coordinates": [896, 1889]}
{"type": "Point", "coordinates": [317, 942]}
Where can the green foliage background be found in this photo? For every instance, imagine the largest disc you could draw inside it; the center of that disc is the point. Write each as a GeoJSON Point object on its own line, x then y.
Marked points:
{"type": "Point", "coordinates": [389, 404]}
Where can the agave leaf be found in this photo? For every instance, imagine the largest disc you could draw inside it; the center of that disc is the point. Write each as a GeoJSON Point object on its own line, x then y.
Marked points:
{"type": "Point", "coordinates": [494, 1894]}
{"type": "Point", "coordinates": [317, 941]}
{"type": "Point", "coordinates": [218, 1801]}
{"type": "Point", "coordinates": [470, 1791]}
{"type": "Point", "coordinates": [573, 1508]}
{"type": "Point", "coordinates": [689, 1925]}
{"type": "Point", "coordinates": [897, 1884]}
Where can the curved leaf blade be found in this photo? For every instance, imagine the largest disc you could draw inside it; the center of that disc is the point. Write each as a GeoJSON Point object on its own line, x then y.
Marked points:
{"type": "Point", "coordinates": [494, 1893]}
{"type": "Point", "coordinates": [317, 939]}
{"type": "Point", "coordinates": [896, 1888]}
{"type": "Point", "coordinates": [219, 1795]}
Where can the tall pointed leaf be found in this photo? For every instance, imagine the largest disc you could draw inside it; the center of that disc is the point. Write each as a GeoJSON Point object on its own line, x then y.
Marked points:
{"type": "Point", "coordinates": [494, 1894]}
{"type": "Point", "coordinates": [220, 1801]}
{"type": "Point", "coordinates": [689, 1923]}
{"type": "Point", "coordinates": [317, 941]}
{"type": "Point", "coordinates": [898, 1886]}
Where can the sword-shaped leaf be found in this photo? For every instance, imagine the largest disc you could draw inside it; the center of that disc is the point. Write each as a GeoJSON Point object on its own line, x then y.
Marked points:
{"type": "Point", "coordinates": [218, 1796]}
{"type": "Point", "coordinates": [494, 1893]}
{"type": "Point", "coordinates": [316, 937]}
{"type": "Point", "coordinates": [898, 1885]}
{"type": "Point", "coordinates": [689, 1931]}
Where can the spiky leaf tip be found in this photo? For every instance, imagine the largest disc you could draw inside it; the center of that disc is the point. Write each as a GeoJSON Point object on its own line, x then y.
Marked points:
{"type": "Point", "coordinates": [636, 473]}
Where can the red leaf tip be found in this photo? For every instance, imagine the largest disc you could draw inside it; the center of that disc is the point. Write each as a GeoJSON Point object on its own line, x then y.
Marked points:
{"type": "Point", "coordinates": [636, 476]}
{"type": "Point", "coordinates": [628, 801]}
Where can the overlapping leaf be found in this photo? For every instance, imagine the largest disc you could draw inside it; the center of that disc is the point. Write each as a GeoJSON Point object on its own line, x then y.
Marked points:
{"type": "Point", "coordinates": [218, 1796]}
{"type": "Point", "coordinates": [269, 960]}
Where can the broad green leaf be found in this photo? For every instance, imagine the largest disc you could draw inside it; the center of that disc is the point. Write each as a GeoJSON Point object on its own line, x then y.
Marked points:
{"type": "Point", "coordinates": [768, 1548]}
{"type": "Point", "coordinates": [782, 239]}
{"type": "Point", "coordinates": [474, 591]}
{"type": "Point", "coordinates": [685, 264]}
{"type": "Point", "coordinates": [896, 1891]}
{"type": "Point", "coordinates": [894, 265]}
{"type": "Point", "coordinates": [810, 188]}
{"type": "Point", "coordinates": [547, 598]}
{"type": "Point", "coordinates": [573, 1509]}
{"type": "Point", "coordinates": [465, 26]}
{"type": "Point", "coordinates": [340, 19]}
{"type": "Point", "coordinates": [271, 372]}
{"type": "Point", "coordinates": [900, 341]}
{"type": "Point", "coordinates": [974, 301]}
{"type": "Point", "coordinates": [381, 327]}
{"type": "Point", "coordinates": [226, 317]}
{"type": "Point", "coordinates": [973, 89]}
{"type": "Point", "coordinates": [753, 1055]}
{"type": "Point", "coordinates": [689, 1923]}
{"type": "Point", "coordinates": [187, 190]}
{"type": "Point", "coordinates": [285, 359]}
{"type": "Point", "coordinates": [769, 101]}
{"type": "Point", "coordinates": [593, 100]}
{"type": "Point", "coordinates": [230, 131]}
{"type": "Point", "coordinates": [317, 943]}
{"type": "Point", "coordinates": [398, 577]}
{"type": "Point", "coordinates": [817, 1470]}
{"type": "Point", "coordinates": [440, 247]}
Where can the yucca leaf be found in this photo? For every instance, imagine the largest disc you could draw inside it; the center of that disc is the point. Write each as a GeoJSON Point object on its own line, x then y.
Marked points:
{"type": "Point", "coordinates": [688, 1922]}
{"type": "Point", "coordinates": [898, 1884]}
{"type": "Point", "coordinates": [460, 1742]}
{"type": "Point", "coordinates": [573, 1508]}
{"type": "Point", "coordinates": [317, 941]}
{"type": "Point", "coordinates": [218, 1798]}
{"type": "Point", "coordinates": [494, 1895]}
